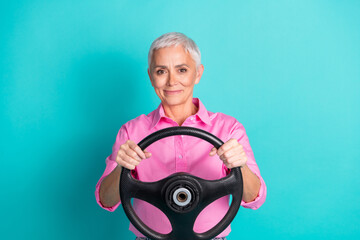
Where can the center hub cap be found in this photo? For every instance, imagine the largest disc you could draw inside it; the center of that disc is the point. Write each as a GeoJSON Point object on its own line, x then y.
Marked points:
{"type": "Point", "coordinates": [182, 195]}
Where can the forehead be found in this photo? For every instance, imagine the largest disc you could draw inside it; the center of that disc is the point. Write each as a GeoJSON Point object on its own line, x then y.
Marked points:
{"type": "Point", "coordinates": [172, 55]}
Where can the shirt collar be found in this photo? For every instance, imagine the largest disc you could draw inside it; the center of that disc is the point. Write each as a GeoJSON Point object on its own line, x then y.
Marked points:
{"type": "Point", "coordinates": [202, 113]}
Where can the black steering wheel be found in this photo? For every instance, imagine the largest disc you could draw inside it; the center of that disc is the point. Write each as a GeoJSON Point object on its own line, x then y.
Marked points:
{"type": "Point", "coordinates": [181, 196]}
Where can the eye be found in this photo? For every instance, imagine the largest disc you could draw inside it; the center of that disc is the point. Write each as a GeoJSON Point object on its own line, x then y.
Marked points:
{"type": "Point", "coordinates": [159, 72]}
{"type": "Point", "coordinates": [183, 70]}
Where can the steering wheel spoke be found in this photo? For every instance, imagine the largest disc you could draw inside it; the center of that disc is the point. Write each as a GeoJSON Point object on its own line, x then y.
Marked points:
{"type": "Point", "coordinates": [152, 189]}
{"type": "Point", "coordinates": [142, 190]}
{"type": "Point", "coordinates": [215, 189]}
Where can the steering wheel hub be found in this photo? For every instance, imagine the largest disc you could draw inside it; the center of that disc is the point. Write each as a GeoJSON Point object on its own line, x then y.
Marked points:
{"type": "Point", "coordinates": [182, 197]}
{"type": "Point", "coordinates": [182, 194]}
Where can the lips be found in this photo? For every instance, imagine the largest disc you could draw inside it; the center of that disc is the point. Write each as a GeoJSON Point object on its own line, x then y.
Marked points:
{"type": "Point", "coordinates": [172, 92]}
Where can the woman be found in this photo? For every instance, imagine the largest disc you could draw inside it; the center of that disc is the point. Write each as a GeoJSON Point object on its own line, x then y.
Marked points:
{"type": "Point", "coordinates": [174, 69]}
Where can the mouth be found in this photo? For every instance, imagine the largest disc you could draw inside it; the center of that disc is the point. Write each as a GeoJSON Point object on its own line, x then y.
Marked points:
{"type": "Point", "coordinates": [172, 92]}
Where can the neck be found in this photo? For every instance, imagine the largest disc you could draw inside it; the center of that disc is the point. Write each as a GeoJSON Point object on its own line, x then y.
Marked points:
{"type": "Point", "coordinates": [179, 113]}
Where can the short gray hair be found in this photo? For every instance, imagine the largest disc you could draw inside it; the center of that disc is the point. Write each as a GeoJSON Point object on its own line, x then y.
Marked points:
{"type": "Point", "coordinates": [175, 39]}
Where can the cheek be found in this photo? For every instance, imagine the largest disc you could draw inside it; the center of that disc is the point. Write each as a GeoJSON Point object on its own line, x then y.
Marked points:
{"type": "Point", "coordinates": [190, 81]}
{"type": "Point", "coordinates": [158, 82]}
{"type": "Point", "coordinates": [192, 78]}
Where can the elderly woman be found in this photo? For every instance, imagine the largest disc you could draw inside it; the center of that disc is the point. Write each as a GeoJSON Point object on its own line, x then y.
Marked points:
{"type": "Point", "coordinates": [174, 69]}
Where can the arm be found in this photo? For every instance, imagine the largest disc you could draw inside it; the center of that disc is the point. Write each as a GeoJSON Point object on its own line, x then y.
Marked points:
{"type": "Point", "coordinates": [109, 188]}
{"type": "Point", "coordinates": [129, 155]}
{"type": "Point", "coordinates": [107, 192]}
{"type": "Point", "coordinates": [237, 152]}
{"type": "Point", "coordinates": [251, 184]}
{"type": "Point", "coordinates": [233, 155]}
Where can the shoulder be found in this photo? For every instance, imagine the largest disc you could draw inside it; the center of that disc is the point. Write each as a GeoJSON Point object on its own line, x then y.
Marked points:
{"type": "Point", "coordinates": [224, 119]}
{"type": "Point", "coordinates": [138, 127]}
{"type": "Point", "coordinates": [143, 119]}
{"type": "Point", "coordinates": [138, 121]}
{"type": "Point", "coordinates": [227, 124]}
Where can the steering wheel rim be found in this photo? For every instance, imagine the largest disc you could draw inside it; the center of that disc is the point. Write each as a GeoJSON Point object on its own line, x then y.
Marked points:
{"type": "Point", "coordinates": [203, 191]}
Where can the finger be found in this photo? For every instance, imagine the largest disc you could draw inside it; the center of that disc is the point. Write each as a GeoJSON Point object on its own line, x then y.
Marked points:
{"type": "Point", "coordinates": [221, 150]}
{"type": "Point", "coordinates": [125, 164]}
{"type": "Point", "coordinates": [133, 161]}
{"type": "Point", "coordinates": [233, 159]}
{"type": "Point", "coordinates": [147, 154]}
{"type": "Point", "coordinates": [226, 146]}
{"type": "Point", "coordinates": [213, 151]}
{"type": "Point", "coordinates": [237, 155]}
{"type": "Point", "coordinates": [132, 154]}
{"type": "Point", "coordinates": [235, 162]}
{"type": "Point", "coordinates": [129, 159]}
{"type": "Point", "coordinates": [136, 148]}
{"type": "Point", "coordinates": [240, 163]}
{"type": "Point", "coordinates": [146, 151]}
{"type": "Point", "coordinates": [228, 154]}
{"type": "Point", "coordinates": [122, 160]}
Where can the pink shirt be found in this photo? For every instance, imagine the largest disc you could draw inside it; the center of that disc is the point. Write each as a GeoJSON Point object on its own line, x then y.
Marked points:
{"type": "Point", "coordinates": [182, 154]}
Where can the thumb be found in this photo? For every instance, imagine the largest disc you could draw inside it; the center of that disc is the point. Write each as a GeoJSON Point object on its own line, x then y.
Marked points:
{"type": "Point", "coordinates": [147, 154]}
{"type": "Point", "coordinates": [213, 151]}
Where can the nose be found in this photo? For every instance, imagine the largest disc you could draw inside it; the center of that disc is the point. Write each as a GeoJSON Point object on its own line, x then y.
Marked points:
{"type": "Point", "coordinates": [171, 81]}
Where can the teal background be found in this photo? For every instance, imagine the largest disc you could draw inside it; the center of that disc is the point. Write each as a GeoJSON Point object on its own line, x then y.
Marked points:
{"type": "Point", "coordinates": [72, 72]}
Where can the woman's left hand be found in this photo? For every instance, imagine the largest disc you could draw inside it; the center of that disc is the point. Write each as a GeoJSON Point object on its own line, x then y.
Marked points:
{"type": "Point", "coordinates": [231, 153]}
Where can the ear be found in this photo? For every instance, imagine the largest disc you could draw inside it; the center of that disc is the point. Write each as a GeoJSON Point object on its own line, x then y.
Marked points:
{"type": "Point", "coordinates": [150, 76]}
{"type": "Point", "coordinates": [199, 72]}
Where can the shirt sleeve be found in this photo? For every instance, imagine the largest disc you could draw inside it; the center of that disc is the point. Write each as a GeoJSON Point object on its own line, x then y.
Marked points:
{"type": "Point", "coordinates": [111, 164]}
{"type": "Point", "coordinates": [238, 132]}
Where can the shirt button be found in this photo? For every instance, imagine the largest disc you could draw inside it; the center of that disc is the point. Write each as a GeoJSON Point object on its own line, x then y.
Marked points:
{"type": "Point", "coordinates": [192, 118]}
{"type": "Point", "coordinates": [180, 156]}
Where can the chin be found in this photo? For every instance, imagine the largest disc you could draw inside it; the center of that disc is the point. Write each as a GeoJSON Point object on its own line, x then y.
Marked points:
{"type": "Point", "coordinates": [173, 101]}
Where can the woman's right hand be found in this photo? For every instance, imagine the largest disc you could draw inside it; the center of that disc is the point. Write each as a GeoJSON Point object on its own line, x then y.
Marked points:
{"type": "Point", "coordinates": [130, 155]}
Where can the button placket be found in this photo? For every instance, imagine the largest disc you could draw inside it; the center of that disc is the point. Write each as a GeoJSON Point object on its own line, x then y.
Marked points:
{"type": "Point", "coordinates": [180, 160]}
{"type": "Point", "coordinates": [183, 159]}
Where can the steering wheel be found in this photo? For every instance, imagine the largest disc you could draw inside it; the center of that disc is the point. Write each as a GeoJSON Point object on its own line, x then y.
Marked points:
{"type": "Point", "coordinates": [181, 196]}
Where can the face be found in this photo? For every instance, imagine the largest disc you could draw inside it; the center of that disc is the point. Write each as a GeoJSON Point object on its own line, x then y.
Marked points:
{"type": "Point", "coordinates": [173, 75]}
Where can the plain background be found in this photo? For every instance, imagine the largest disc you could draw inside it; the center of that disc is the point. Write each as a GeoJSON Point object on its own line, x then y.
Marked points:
{"type": "Point", "coordinates": [72, 72]}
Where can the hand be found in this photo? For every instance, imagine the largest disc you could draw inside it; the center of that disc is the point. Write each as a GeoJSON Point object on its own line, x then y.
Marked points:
{"type": "Point", "coordinates": [231, 153]}
{"type": "Point", "coordinates": [130, 155]}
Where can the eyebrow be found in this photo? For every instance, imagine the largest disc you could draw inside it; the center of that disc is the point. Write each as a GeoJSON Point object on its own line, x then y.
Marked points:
{"type": "Point", "coordinates": [181, 65]}
{"type": "Point", "coordinates": [163, 66]}
{"type": "Point", "coordinates": [159, 66]}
